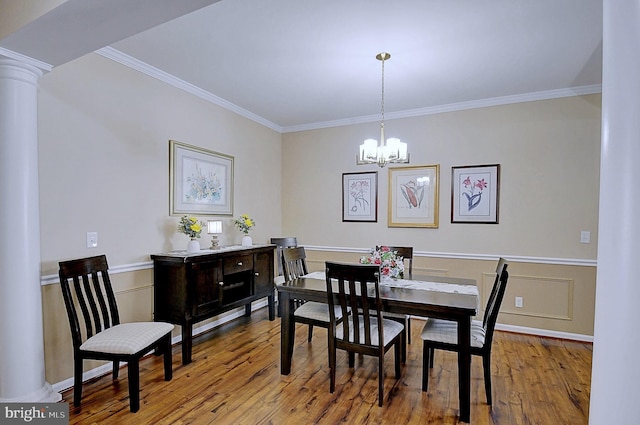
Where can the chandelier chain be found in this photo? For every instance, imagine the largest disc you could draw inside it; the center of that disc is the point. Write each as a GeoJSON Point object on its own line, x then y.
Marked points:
{"type": "Point", "coordinates": [382, 99]}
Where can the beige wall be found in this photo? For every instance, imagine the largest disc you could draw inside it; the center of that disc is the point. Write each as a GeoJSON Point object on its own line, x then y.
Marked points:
{"type": "Point", "coordinates": [549, 152]}
{"type": "Point", "coordinates": [104, 163]}
{"type": "Point", "coordinates": [104, 135]}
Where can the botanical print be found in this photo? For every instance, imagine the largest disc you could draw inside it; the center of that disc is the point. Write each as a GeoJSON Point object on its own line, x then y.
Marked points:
{"type": "Point", "coordinates": [359, 195]}
{"type": "Point", "coordinates": [413, 193]}
{"type": "Point", "coordinates": [411, 200]}
{"type": "Point", "coordinates": [472, 187]}
{"type": "Point", "coordinates": [203, 182]}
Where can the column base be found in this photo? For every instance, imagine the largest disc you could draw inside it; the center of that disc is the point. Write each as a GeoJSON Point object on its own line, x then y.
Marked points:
{"type": "Point", "coordinates": [46, 394]}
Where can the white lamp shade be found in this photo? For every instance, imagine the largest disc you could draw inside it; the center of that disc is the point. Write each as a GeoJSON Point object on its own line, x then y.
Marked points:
{"type": "Point", "coordinates": [214, 227]}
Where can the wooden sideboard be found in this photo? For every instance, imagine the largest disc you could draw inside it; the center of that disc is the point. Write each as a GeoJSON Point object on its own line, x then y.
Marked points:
{"type": "Point", "coordinates": [189, 288]}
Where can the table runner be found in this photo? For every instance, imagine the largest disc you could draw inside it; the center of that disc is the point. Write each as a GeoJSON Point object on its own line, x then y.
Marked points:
{"type": "Point", "coordinates": [451, 288]}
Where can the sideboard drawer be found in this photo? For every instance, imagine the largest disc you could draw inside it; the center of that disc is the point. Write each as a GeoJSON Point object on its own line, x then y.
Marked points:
{"type": "Point", "coordinates": [238, 263]}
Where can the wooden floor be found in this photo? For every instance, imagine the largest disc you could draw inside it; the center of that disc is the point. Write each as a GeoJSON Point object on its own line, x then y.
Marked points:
{"type": "Point", "coordinates": [235, 379]}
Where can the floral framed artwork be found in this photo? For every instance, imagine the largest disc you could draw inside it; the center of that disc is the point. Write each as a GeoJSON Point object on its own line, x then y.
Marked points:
{"type": "Point", "coordinates": [475, 194]}
{"type": "Point", "coordinates": [413, 196]}
{"type": "Point", "coordinates": [360, 196]}
{"type": "Point", "coordinates": [200, 181]}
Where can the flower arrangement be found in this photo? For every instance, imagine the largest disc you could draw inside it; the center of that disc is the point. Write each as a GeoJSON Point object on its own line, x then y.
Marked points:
{"type": "Point", "coordinates": [244, 223]}
{"type": "Point", "coordinates": [391, 264]}
{"type": "Point", "coordinates": [190, 226]}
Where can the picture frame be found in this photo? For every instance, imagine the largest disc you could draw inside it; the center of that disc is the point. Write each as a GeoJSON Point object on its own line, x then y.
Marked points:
{"type": "Point", "coordinates": [360, 196]}
{"type": "Point", "coordinates": [414, 196]}
{"type": "Point", "coordinates": [200, 181]}
{"type": "Point", "coordinates": [475, 194]}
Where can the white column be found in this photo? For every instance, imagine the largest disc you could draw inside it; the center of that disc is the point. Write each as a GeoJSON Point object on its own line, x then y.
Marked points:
{"type": "Point", "coordinates": [616, 353]}
{"type": "Point", "coordinates": [22, 375]}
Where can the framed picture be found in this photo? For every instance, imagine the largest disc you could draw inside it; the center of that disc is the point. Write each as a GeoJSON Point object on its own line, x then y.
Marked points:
{"type": "Point", "coordinates": [201, 181]}
{"type": "Point", "coordinates": [413, 196]}
{"type": "Point", "coordinates": [475, 194]}
{"type": "Point", "coordinates": [360, 196]}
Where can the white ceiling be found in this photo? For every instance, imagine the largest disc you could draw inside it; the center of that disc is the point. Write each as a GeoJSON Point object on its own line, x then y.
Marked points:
{"type": "Point", "coordinates": [307, 64]}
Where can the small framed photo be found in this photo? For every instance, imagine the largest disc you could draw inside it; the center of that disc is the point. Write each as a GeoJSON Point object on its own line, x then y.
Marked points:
{"type": "Point", "coordinates": [360, 196]}
{"type": "Point", "coordinates": [413, 196]}
{"type": "Point", "coordinates": [475, 194]}
{"type": "Point", "coordinates": [200, 181]}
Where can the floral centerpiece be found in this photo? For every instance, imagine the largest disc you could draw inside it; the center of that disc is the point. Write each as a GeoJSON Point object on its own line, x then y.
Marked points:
{"type": "Point", "coordinates": [391, 264]}
{"type": "Point", "coordinates": [244, 223]}
{"type": "Point", "coordinates": [191, 227]}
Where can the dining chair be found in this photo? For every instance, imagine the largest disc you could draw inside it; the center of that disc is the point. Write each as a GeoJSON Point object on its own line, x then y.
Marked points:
{"type": "Point", "coordinates": [367, 332]}
{"type": "Point", "coordinates": [281, 243]}
{"type": "Point", "coordinates": [96, 331]}
{"type": "Point", "coordinates": [443, 334]}
{"type": "Point", "coordinates": [406, 252]}
{"type": "Point", "coordinates": [311, 313]}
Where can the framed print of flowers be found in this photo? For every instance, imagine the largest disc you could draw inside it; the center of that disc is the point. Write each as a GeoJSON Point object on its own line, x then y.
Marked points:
{"type": "Point", "coordinates": [475, 194]}
{"type": "Point", "coordinates": [413, 196]}
{"type": "Point", "coordinates": [360, 196]}
{"type": "Point", "coordinates": [200, 180]}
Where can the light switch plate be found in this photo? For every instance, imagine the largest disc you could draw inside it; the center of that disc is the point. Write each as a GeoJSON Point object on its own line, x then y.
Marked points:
{"type": "Point", "coordinates": [92, 239]}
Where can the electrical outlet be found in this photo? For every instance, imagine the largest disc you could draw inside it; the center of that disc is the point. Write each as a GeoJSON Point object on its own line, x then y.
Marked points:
{"type": "Point", "coordinates": [519, 302]}
{"type": "Point", "coordinates": [585, 237]}
{"type": "Point", "coordinates": [92, 239]}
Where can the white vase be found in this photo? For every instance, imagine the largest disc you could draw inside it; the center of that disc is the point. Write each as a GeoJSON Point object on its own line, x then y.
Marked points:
{"type": "Point", "coordinates": [193, 246]}
{"type": "Point", "coordinates": [246, 241]}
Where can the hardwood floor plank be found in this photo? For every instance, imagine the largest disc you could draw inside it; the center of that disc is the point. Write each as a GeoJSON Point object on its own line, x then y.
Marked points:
{"type": "Point", "coordinates": [235, 378]}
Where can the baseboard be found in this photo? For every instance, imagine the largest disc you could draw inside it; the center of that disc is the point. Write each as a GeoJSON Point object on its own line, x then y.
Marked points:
{"type": "Point", "coordinates": [536, 332]}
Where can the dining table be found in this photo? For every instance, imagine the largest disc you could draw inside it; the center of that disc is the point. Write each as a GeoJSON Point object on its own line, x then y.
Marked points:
{"type": "Point", "coordinates": [442, 297]}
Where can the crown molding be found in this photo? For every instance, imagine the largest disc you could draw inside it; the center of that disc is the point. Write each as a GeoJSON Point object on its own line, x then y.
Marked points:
{"type": "Point", "coordinates": [452, 107]}
{"type": "Point", "coordinates": [42, 66]}
{"type": "Point", "coordinates": [145, 68]}
{"type": "Point", "coordinates": [133, 63]}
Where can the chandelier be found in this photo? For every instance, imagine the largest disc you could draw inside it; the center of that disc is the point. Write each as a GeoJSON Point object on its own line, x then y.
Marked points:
{"type": "Point", "coordinates": [390, 151]}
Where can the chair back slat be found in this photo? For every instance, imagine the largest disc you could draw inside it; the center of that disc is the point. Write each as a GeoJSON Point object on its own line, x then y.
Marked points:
{"type": "Point", "coordinates": [494, 303]}
{"type": "Point", "coordinates": [281, 243]}
{"type": "Point", "coordinates": [353, 294]}
{"type": "Point", "coordinates": [502, 264]}
{"type": "Point", "coordinates": [294, 261]}
{"type": "Point", "coordinates": [406, 252]}
{"type": "Point", "coordinates": [86, 287]}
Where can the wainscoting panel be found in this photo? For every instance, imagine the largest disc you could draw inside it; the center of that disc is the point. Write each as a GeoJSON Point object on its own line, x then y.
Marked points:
{"type": "Point", "coordinates": [545, 297]}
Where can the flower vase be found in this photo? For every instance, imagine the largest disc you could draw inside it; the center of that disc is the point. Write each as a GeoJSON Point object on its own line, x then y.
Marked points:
{"type": "Point", "coordinates": [193, 246]}
{"type": "Point", "coordinates": [246, 241]}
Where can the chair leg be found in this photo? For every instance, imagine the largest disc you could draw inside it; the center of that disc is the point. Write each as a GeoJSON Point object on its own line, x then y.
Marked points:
{"type": "Point", "coordinates": [77, 381]}
{"type": "Point", "coordinates": [432, 354]}
{"type": "Point", "coordinates": [408, 330]}
{"type": "Point", "coordinates": [380, 378]}
{"type": "Point", "coordinates": [397, 354]}
{"type": "Point", "coordinates": [332, 365]}
{"type": "Point", "coordinates": [168, 367]}
{"type": "Point", "coordinates": [352, 359]}
{"type": "Point", "coordinates": [486, 365]}
{"type": "Point", "coordinates": [426, 358]}
{"type": "Point", "coordinates": [310, 333]}
{"type": "Point", "coordinates": [116, 369]}
{"type": "Point", "coordinates": [133, 368]}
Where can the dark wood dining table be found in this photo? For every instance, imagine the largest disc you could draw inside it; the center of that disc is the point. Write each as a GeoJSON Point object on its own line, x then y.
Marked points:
{"type": "Point", "coordinates": [457, 307]}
